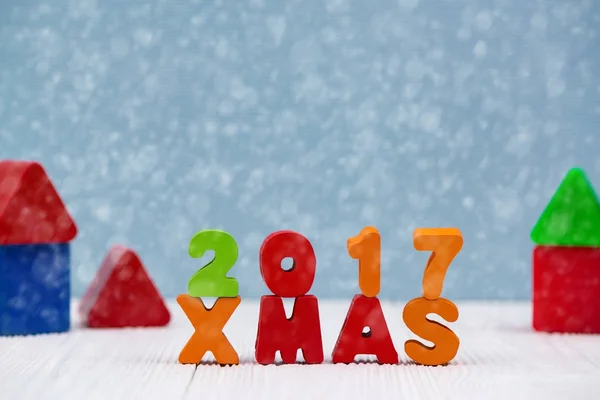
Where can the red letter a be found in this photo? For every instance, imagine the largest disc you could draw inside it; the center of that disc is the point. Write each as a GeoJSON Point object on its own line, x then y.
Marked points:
{"type": "Point", "coordinates": [365, 312]}
{"type": "Point", "coordinates": [301, 331]}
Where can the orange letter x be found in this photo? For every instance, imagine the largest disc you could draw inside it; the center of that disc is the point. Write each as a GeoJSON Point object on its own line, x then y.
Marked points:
{"type": "Point", "coordinates": [208, 324]}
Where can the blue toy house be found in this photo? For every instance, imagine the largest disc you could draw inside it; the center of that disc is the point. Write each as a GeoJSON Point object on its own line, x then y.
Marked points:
{"type": "Point", "coordinates": [35, 231]}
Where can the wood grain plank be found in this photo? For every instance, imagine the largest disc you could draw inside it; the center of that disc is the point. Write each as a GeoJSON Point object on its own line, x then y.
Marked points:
{"type": "Point", "coordinates": [500, 358]}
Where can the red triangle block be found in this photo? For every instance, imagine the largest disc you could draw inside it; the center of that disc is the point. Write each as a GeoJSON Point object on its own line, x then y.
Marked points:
{"type": "Point", "coordinates": [31, 211]}
{"type": "Point", "coordinates": [123, 295]}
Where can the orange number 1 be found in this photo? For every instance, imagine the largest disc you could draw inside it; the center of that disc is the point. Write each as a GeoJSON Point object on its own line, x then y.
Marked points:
{"type": "Point", "coordinates": [366, 248]}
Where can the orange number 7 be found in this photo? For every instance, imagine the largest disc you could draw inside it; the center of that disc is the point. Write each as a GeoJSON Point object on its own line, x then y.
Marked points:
{"type": "Point", "coordinates": [445, 244]}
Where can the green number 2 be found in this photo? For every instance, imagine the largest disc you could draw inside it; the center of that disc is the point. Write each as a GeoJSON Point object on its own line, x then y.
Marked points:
{"type": "Point", "coordinates": [212, 280]}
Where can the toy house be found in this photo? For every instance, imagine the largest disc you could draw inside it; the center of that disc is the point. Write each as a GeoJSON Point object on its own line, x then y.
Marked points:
{"type": "Point", "coordinates": [566, 259]}
{"type": "Point", "coordinates": [35, 231]}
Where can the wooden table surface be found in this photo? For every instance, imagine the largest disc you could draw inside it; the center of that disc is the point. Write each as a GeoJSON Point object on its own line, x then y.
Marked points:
{"type": "Point", "coordinates": [500, 358]}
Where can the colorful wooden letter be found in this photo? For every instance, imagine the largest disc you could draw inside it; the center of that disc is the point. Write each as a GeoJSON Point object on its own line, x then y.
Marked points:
{"type": "Point", "coordinates": [208, 325]}
{"type": "Point", "coordinates": [122, 294]}
{"type": "Point", "coordinates": [303, 330]}
{"type": "Point", "coordinates": [445, 244]}
{"type": "Point", "coordinates": [365, 310]}
{"type": "Point", "coordinates": [212, 280]}
{"type": "Point", "coordinates": [445, 341]}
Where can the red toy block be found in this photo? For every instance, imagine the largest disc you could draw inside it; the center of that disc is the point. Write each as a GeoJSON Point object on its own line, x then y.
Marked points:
{"type": "Point", "coordinates": [122, 294]}
{"type": "Point", "coordinates": [298, 280]}
{"type": "Point", "coordinates": [566, 289]}
{"type": "Point", "coordinates": [31, 211]}
{"type": "Point", "coordinates": [352, 341]}
{"type": "Point", "coordinates": [301, 331]}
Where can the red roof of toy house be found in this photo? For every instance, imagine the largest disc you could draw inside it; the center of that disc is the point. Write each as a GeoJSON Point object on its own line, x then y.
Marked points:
{"type": "Point", "coordinates": [31, 211]}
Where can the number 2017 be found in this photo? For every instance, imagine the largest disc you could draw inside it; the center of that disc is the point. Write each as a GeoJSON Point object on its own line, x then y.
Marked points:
{"type": "Point", "coordinates": [364, 331]}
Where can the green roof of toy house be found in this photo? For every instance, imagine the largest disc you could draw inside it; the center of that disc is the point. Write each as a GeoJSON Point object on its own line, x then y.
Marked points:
{"type": "Point", "coordinates": [572, 217]}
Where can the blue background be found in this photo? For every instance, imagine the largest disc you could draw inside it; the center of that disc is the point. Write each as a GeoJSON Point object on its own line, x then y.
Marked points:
{"type": "Point", "coordinates": [159, 118]}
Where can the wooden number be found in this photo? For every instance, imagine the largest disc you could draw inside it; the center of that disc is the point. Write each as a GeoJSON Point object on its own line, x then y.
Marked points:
{"type": "Point", "coordinates": [298, 280]}
{"type": "Point", "coordinates": [445, 244]}
{"type": "Point", "coordinates": [366, 248]}
{"type": "Point", "coordinates": [211, 280]}
{"type": "Point", "coordinates": [445, 342]}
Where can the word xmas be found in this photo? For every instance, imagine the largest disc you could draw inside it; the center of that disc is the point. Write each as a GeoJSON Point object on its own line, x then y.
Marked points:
{"type": "Point", "coordinates": [303, 330]}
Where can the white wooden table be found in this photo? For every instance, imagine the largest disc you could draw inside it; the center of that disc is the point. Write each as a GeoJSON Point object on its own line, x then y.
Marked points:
{"type": "Point", "coordinates": [500, 358]}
